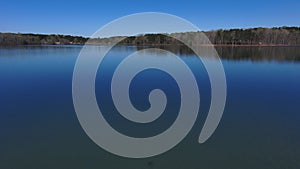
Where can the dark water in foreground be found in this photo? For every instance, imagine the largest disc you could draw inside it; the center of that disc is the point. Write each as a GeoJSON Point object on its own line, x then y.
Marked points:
{"type": "Point", "coordinates": [260, 127]}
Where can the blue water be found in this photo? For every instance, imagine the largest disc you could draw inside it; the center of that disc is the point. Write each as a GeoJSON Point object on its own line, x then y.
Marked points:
{"type": "Point", "coordinates": [260, 127]}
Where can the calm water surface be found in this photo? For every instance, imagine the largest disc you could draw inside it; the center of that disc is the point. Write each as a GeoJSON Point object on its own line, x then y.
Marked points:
{"type": "Point", "coordinates": [260, 127]}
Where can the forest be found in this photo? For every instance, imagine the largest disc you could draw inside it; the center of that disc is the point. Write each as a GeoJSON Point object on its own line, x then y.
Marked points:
{"type": "Point", "coordinates": [12, 39]}
{"type": "Point", "coordinates": [288, 36]}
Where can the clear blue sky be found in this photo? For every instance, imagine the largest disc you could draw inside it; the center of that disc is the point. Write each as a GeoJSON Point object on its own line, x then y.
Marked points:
{"type": "Point", "coordinates": [85, 17]}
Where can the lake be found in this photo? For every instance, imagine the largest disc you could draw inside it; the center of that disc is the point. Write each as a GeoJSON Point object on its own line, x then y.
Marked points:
{"type": "Point", "coordinates": [260, 127]}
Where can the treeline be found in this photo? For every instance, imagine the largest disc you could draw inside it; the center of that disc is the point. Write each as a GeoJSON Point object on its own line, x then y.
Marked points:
{"type": "Point", "coordinates": [256, 36]}
{"type": "Point", "coordinates": [11, 39]}
{"type": "Point", "coordinates": [252, 36]}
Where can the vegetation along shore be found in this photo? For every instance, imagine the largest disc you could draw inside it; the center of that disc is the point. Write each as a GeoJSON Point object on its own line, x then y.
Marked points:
{"type": "Point", "coordinates": [277, 36]}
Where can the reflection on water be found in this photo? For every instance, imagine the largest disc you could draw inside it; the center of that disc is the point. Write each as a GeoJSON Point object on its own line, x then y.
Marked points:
{"type": "Point", "coordinates": [254, 53]}
{"type": "Point", "coordinates": [259, 129]}
{"type": "Point", "coordinates": [260, 53]}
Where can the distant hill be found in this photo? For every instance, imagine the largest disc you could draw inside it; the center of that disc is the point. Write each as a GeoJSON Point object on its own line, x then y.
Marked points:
{"type": "Point", "coordinates": [252, 36]}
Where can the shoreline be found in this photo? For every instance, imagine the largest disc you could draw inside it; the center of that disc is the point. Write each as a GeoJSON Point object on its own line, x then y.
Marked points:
{"type": "Point", "coordinates": [145, 45]}
{"type": "Point", "coordinates": [256, 37]}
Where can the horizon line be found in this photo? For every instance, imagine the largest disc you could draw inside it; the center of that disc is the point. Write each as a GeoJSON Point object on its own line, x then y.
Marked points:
{"type": "Point", "coordinates": [83, 36]}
